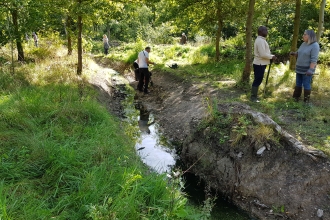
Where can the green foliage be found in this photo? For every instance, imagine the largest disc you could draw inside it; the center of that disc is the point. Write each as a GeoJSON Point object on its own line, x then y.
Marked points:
{"type": "Point", "coordinates": [217, 124]}
{"type": "Point", "coordinates": [134, 51]}
{"type": "Point", "coordinates": [202, 39]}
{"type": "Point", "coordinates": [160, 34]}
{"type": "Point", "coordinates": [208, 50]}
{"type": "Point", "coordinates": [237, 41]}
{"type": "Point", "coordinates": [324, 57]}
{"type": "Point", "coordinates": [278, 209]}
{"type": "Point", "coordinates": [199, 57]}
{"type": "Point", "coordinates": [239, 129]}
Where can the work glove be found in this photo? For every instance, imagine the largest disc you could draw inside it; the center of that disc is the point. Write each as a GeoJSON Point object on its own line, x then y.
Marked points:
{"type": "Point", "coordinates": [310, 72]}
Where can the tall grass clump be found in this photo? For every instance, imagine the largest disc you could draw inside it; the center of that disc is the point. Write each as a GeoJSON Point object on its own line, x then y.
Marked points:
{"type": "Point", "coordinates": [202, 55]}
{"type": "Point", "coordinates": [64, 156]}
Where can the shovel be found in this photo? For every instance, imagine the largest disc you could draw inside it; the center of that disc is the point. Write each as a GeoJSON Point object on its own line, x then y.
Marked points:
{"type": "Point", "coordinates": [270, 65]}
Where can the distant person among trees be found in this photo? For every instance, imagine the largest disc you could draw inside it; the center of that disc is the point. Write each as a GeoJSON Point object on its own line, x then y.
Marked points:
{"type": "Point", "coordinates": [143, 61]}
{"type": "Point", "coordinates": [183, 39]}
{"type": "Point", "coordinates": [307, 56]}
{"type": "Point", "coordinates": [262, 57]}
{"type": "Point", "coordinates": [35, 38]}
{"type": "Point", "coordinates": [106, 45]}
{"type": "Point", "coordinates": [27, 38]}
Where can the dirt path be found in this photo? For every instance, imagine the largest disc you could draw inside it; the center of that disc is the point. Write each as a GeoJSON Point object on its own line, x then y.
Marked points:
{"type": "Point", "coordinates": [285, 181]}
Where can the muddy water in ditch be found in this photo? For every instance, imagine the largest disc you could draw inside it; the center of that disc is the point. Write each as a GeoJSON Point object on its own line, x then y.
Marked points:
{"type": "Point", "coordinates": [150, 148]}
{"type": "Point", "coordinates": [159, 154]}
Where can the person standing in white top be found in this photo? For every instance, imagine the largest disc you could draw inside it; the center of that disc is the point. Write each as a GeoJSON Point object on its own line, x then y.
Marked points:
{"type": "Point", "coordinates": [262, 57]}
{"type": "Point", "coordinates": [106, 44]}
{"type": "Point", "coordinates": [143, 61]}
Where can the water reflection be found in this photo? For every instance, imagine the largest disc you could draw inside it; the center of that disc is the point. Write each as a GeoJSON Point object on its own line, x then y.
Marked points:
{"type": "Point", "coordinates": [144, 120]}
{"type": "Point", "coordinates": [152, 153]}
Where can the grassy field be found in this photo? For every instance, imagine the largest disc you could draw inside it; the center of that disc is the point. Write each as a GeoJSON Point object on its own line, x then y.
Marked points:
{"type": "Point", "coordinates": [63, 156]}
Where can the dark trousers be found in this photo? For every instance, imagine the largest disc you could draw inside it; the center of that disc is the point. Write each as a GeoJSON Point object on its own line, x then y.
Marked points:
{"type": "Point", "coordinates": [259, 71]}
{"type": "Point", "coordinates": [144, 79]}
{"type": "Point", "coordinates": [137, 74]}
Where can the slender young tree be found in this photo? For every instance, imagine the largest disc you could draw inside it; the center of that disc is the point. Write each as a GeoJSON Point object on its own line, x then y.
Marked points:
{"type": "Point", "coordinates": [80, 27]}
{"type": "Point", "coordinates": [248, 43]}
{"type": "Point", "coordinates": [69, 33]}
{"type": "Point", "coordinates": [13, 9]}
{"type": "Point", "coordinates": [295, 34]}
{"type": "Point", "coordinates": [220, 25]}
{"type": "Point", "coordinates": [321, 20]}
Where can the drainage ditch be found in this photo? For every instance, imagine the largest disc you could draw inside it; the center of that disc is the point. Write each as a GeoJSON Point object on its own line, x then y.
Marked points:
{"type": "Point", "coordinates": [160, 156]}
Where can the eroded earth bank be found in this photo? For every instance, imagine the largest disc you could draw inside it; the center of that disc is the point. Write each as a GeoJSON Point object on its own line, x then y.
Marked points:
{"type": "Point", "coordinates": [240, 153]}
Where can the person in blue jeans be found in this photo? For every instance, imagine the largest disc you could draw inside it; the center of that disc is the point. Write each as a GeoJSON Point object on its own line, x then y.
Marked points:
{"type": "Point", "coordinates": [307, 56]}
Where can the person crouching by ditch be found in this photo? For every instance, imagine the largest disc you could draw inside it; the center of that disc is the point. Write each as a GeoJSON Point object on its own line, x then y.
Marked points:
{"type": "Point", "coordinates": [307, 56]}
{"type": "Point", "coordinates": [143, 61]}
{"type": "Point", "coordinates": [262, 57]}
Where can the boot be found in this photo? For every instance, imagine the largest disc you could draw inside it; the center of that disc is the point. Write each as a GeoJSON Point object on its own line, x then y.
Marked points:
{"type": "Point", "coordinates": [307, 94]}
{"type": "Point", "coordinates": [254, 94]}
{"type": "Point", "coordinates": [297, 93]}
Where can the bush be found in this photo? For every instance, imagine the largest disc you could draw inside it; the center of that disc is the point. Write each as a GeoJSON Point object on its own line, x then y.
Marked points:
{"type": "Point", "coordinates": [324, 57]}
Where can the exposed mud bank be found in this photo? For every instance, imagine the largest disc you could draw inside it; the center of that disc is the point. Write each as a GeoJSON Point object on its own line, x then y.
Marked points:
{"type": "Point", "coordinates": [285, 180]}
{"type": "Point", "coordinates": [273, 179]}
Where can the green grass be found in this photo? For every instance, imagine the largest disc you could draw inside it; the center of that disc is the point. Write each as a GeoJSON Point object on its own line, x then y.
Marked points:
{"type": "Point", "coordinates": [63, 156]}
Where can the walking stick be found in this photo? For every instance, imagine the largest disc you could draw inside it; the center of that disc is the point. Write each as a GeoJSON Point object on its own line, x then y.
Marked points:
{"type": "Point", "coordinates": [270, 65]}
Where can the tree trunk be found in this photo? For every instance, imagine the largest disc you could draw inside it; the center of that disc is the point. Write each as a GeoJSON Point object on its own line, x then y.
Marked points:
{"type": "Point", "coordinates": [248, 43]}
{"type": "Point", "coordinates": [79, 67]}
{"type": "Point", "coordinates": [69, 32]}
{"type": "Point", "coordinates": [19, 46]}
{"type": "Point", "coordinates": [295, 34]}
{"type": "Point", "coordinates": [217, 42]}
{"type": "Point", "coordinates": [321, 20]}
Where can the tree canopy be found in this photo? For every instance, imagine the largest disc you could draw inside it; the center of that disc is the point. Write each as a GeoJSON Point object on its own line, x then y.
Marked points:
{"type": "Point", "coordinates": [159, 21]}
